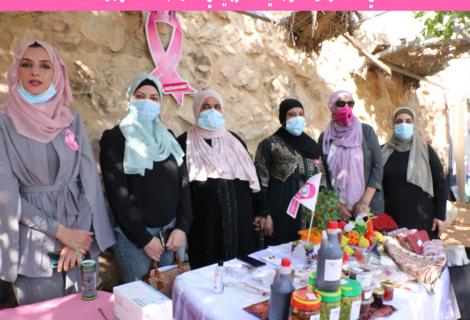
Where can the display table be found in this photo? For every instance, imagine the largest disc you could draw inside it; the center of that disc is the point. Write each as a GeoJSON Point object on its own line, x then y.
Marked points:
{"type": "Point", "coordinates": [70, 307]}
{"type": "Point", "coordinates": [194, 298]}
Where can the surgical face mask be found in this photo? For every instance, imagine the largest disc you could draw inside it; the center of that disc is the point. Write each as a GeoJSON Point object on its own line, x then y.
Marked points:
{"type": "Point", "coordinates": [295, 125]}
{"type": "Point", "coordinates": [145, 109]}
{"type": "Point", "coordinates": [37, 99]}
{"type": "Point", "coordinates": [344, 116]}
{"type": "Point", "coordinates": [211, 120]}
{"type": "Point", "coordinates": [403, 131]}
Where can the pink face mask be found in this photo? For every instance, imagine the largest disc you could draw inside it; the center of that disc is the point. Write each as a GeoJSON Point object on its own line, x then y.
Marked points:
{"type": "Point", "coordinates": [344, 116]}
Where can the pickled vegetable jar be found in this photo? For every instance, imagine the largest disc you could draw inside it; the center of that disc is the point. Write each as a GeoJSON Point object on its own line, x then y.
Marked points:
{"type": "Point", "coordinates": [351, 300]}
{"type": "Point", "coordinates": [330, 305]}
{"type": "Point", "coordinates": [305, 305]}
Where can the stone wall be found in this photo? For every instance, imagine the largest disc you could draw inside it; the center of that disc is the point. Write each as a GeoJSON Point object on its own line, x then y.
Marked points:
{"type": "Point", "coordinates": [246, 60]}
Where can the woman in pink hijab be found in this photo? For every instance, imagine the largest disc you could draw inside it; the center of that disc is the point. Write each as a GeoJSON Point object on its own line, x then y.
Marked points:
{"type": "Point", "coordinates": [222, 179]}
{"type": "Point", "coordinates": [353, 158]}
{"type": "Point", "coordinates": [51, 198]}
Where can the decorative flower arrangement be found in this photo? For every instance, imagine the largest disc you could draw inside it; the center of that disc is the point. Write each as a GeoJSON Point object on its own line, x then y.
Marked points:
{"type": "Point", "coordinates": [327, 209]}
{"type": "Point", "coordinates": [359, 235]}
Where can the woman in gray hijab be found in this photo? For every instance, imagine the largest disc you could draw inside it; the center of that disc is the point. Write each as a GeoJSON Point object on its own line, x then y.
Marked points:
{"type": "Point", "coordinates": [413, 182]}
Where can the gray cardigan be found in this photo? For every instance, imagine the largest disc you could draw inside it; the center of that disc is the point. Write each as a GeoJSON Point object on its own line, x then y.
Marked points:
{"type": "Point", "coordinates": [373, 168]}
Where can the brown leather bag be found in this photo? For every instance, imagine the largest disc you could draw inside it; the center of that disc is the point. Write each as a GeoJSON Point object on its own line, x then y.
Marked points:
{"type": "Point", "coordinates": [163, 280]}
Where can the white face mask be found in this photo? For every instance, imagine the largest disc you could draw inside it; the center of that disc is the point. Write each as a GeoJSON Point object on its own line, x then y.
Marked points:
{"type": "Point", "coordinates": [37, 99]}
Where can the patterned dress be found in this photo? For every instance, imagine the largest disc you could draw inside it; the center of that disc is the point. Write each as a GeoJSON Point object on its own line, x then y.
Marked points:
{"type": "Point", "coordinates": [282, 172]}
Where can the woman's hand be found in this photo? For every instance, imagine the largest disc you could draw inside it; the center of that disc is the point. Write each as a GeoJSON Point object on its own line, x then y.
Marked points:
{"type": "Point", "coordinates": [176, 240]}
{"type": "Point", "coordinates": [440, 225]}
{"type": "Point", "coordinates": [360, 207]}
{"type": "Point", "coordinates": [259, 223]}
{"type": "Point", "coordinates": [81, 238]}
{"type": "Point", "coordinates": [68, 260]}
{"type": "Point", "coordinates": [345, 213]}
{"type": "Point", "coordinates": [268, 226]}
{"type": "Point", "coordinates": [154, 249]}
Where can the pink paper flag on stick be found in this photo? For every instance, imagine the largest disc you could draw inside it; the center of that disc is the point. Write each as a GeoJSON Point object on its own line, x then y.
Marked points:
{"type": "Point", "coordinates": [307, 196]}
{"type": "Point", "coordinates": [167, 61]}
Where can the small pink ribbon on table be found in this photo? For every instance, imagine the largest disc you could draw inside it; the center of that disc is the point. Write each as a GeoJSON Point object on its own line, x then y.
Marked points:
{"type": "Point", "coordinates": [167, 61]}
{"type": "Point", "coordinates": [70, 140]}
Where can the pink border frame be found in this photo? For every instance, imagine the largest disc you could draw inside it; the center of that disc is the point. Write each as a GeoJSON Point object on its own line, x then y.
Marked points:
{"type": "Point", "coordinates": [232, 5]}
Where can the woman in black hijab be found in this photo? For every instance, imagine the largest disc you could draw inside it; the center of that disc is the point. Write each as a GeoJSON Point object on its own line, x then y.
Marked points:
{"type": "Point", "coordinates": [284, 161]}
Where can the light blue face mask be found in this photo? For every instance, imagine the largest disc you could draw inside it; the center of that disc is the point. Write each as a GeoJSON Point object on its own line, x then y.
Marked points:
{"type": "Point", "coordinates": [37, 99]}
{"type": "Point", "coordinates": [211, 120]}
{"type": "Point", "coordinates": [295, 125]}
{"type": "Point", "coordinates": [145, 109]}
{"type": "Point", "coordinates": [403, 131]}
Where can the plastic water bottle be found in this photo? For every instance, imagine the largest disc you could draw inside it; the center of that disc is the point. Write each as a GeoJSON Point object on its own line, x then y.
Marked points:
{"type": "Point", "coordinates": [219, 277]}
{"type": "Point", "coordinates": [281, 290]}
{"type": "Point", "coordinates": [330, 260]}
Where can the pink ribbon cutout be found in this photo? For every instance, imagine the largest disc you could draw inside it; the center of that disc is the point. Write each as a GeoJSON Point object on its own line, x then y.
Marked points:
{"type": "Point", "coordinates": [167, 61]}
{"type": "Point", "coordinates": [70, 140]}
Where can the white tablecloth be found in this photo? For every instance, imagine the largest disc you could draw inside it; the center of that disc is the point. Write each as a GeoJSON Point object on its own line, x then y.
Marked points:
{"type": "Point", "coordinates": [194, 298]}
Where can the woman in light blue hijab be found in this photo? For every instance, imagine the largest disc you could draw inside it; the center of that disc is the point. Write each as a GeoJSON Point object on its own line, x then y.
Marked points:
{"type": "Point", "coordinates": [146, 183]}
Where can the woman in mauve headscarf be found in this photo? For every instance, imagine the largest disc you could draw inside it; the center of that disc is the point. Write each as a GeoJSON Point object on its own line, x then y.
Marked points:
{"type": "Point", "coordinates": [352, 154]}
{"type": "Point", "coordinates": [222, 179]}
{"type": "Point", "coordinates": [51, 198]}
{"type": "Point", "coordinates": [414, 184]}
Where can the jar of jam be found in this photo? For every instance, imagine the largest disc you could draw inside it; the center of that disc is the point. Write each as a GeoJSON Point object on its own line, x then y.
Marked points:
{"type": "Point", "coordinates": [378, 295]}
{"type": "Point", "coordinates": [304, 305]}
{"type": "Point", "coordinates": [388, 290]}
{"type": "Point", "coordinates": [365, 305]}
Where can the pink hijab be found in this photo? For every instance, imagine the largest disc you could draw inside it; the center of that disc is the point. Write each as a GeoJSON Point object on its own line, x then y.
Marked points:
{"type": "Point", "coordinates": [346, 165]}
{"type": "Point", "coordinates": [44, 122]}
{"type": "Point", "coordinates": [227, 158]}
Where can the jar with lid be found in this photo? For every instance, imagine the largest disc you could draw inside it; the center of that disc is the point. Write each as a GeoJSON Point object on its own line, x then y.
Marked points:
{"type": "Point", "coordinates": [378, 295]}
{"type": "Point", "coordinates": [330, 305]}
{"type": "Point", "coordinates": [388, 290]}
{"type": "Point", "coordinates": [351, 300]}
{"type": "Point", "coordinates": [365, 305]}
{"type": "Point", "coordinates": [305, 305]}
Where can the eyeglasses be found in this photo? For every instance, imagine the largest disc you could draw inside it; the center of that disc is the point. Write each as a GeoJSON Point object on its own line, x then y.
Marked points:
{"type": "Point", "coordinates": [341, 103]}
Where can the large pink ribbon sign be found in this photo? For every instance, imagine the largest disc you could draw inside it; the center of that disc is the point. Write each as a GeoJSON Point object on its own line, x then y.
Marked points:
{"type": "Point", "coordinates": [167, 61]}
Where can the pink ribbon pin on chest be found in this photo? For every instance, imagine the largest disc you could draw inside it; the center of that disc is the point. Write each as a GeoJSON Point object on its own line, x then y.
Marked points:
{"type": "Point", "coordinates": [70, 140]}
{"type": "Point", "coordinates": [167, 61]}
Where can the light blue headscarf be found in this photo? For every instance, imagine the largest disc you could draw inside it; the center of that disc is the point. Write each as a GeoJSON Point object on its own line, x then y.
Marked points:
{"type": "Point", "coordinates": [146, 142]}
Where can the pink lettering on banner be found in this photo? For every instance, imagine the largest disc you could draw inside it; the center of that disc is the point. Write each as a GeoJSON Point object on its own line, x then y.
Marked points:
{"type": "Point", "coordinates": [167, 61]}
{"type": "Point", "coordinates": [235, 5]}
{"type": "Point", "coordinates": [293, 208]}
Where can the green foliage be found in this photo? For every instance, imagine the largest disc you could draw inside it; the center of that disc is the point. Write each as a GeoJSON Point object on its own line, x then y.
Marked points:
{"type": "Point", "coordinates": [444, 25]}
{"type": "Point", "coordinates": [327, 209]}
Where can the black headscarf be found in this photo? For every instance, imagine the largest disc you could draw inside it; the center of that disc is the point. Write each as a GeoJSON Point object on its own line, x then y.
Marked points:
{"type": "Point", "coordinates": [303, 144]}
{"type": "Point", "coordinates": [147, 82]}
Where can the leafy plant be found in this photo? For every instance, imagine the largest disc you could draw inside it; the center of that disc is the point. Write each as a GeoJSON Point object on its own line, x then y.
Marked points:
{"type": "Point", "coordinates": [327, 209]}
{"type": "Point", "coordinates": [445, 25]}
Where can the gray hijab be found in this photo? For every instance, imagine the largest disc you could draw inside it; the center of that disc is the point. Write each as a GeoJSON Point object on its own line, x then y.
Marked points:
{"type": "Point", "coordinates": [419, 169]}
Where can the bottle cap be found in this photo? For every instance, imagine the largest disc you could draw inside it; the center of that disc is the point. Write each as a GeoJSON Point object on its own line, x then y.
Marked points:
{"type": "Point", "coordinates": [332, 225]}
{"type": "Point", "coordinates": [285, 262]}
{"type": "Point", "coordinates": [220, 263]}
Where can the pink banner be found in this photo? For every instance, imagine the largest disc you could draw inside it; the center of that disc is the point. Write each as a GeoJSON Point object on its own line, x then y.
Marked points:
{"type": "Point", "coordinates": [234, 5]}
{"type": "Point", "coordinates": [167, 60]}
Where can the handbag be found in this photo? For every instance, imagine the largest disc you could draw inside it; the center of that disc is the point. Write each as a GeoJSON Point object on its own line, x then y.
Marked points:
{"type": "Point", "coordinates": [163, 280]}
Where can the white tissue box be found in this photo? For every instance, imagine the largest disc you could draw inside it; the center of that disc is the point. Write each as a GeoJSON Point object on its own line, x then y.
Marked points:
{"type": "Point", "coordinates": [139, 301]}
